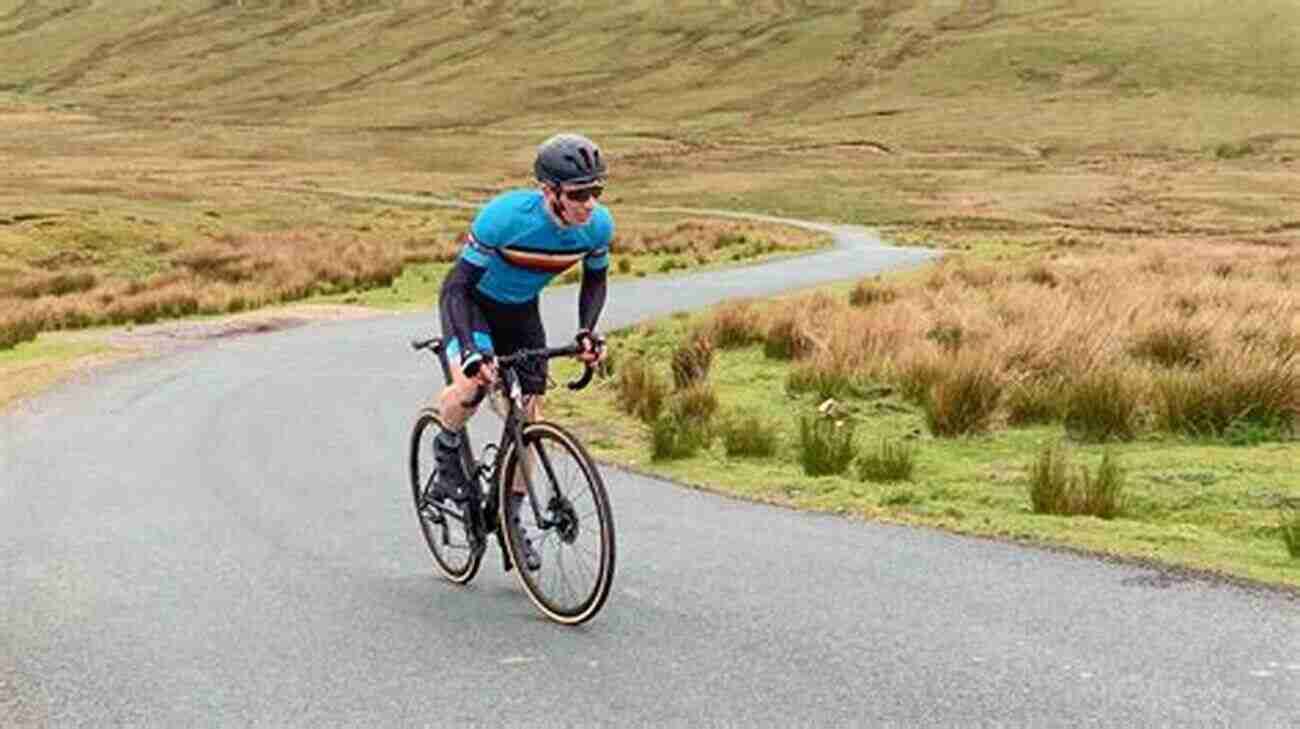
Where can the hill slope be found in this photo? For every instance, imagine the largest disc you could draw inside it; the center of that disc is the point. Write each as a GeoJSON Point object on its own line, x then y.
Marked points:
{"type": "Point", "coordinates": [906, 71]}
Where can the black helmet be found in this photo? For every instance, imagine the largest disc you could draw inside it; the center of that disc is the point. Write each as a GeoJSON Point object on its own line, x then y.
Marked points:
{"type": "Point", "coordinates": [569, 159]}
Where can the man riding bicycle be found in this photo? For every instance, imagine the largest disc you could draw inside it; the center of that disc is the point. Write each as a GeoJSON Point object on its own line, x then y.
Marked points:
{"type": "Point", "coordinates": [489, 303]}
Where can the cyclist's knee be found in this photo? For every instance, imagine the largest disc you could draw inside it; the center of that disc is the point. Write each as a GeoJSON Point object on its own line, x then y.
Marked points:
{"type": "Point", "coordinates": [451, 403]}
{"type": "Point", "coordinates": [533, 406]}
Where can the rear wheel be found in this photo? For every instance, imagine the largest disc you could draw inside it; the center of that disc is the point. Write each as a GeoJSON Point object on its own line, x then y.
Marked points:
{"type": "Point", "coordinates": [575, 536]}
{"type": "Point", "coordinates": [455, 550]}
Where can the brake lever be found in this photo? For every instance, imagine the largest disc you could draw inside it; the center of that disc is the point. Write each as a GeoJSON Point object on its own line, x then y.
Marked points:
{"type": "Point", "coordinates": [589, 370]}
{"type": "Point", "coordinates": [582, 382]}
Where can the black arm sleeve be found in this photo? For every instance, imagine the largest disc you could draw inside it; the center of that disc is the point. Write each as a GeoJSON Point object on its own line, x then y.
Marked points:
{"type": "Point", "coordinates": [459, 311]}
{"type": "Point", "coordinates": [591, 297]}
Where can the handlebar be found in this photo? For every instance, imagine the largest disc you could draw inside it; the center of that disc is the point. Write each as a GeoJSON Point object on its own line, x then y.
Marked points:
{"type": "Point", "coordinates": [515, 358]}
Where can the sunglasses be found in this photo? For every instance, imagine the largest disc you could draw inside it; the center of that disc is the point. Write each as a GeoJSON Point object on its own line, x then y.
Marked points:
{"type": "Point", "coordinates": [584, 194]}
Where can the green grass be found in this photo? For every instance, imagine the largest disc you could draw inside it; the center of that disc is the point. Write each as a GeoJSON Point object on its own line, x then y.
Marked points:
{"type": "Point", "coordinates": [34, 365]}
{"type": "Point", "coordinates": [48, 349]}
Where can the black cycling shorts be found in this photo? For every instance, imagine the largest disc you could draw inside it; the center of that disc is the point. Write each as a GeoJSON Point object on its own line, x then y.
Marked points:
{"type": "Point", "coordinates": [503, 329]}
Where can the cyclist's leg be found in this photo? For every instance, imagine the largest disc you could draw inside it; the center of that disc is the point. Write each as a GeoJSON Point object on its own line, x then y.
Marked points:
{"type": "Point", "coordinates": [452, 398]}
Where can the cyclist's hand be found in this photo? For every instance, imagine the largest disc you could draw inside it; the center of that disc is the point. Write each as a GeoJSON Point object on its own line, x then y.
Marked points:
{"type": "Point", "coordinates": [480, 369]}
{"type": "Point", "coordinates": [593, 348]}
{"type": "Point", "coordinates": [487, 372]}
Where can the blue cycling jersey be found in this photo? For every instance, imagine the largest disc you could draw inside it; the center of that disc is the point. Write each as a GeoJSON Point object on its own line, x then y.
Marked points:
{"type": "Point", "coordinates": [522, 248]}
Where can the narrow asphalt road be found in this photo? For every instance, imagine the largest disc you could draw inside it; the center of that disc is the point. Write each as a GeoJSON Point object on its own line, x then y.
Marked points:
{"type": "Point", "coordinates": [222, 537]}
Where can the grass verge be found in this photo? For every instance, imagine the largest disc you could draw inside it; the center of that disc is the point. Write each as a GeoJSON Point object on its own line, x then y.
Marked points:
{"type": "Point", "coordinates": [1200, 501]}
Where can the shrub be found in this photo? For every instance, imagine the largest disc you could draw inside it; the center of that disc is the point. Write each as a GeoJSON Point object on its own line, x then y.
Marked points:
{"type": "Point", "coordinates": [1102, 405]}
{"type": "Point", "coordinates": [692, 360]}
{"type": "Point", "coordinates": [747, 435]}
{"type": "Point", "coordinates": [1054, 489]}
{"type": "Point", "coordinates": [641, 391]}
{"type": "Point", "coordinates": [870, 291]}
{"type": "Point", "coordinates": [964, 398]}
{"type": "Point", "coordinates": [825, 445]}
{"type": "Point", "coordinates": [890, 461]}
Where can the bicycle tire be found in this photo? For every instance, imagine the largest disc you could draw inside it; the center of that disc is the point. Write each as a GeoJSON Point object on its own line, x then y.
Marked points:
{"type": "Point", "coordinates": [450, 543]}
{"type": "Point", "coordinates": [562, 547]}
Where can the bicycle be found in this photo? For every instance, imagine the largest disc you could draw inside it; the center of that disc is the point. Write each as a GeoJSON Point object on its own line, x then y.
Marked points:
{"type": "Point", "coordinates": [570, 509]}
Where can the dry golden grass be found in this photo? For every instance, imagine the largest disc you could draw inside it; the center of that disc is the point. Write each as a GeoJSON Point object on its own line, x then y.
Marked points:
{"type": "Point", "coordinates": [1105, 338]}
{"type": "Point", "coordinates": [230, 274]}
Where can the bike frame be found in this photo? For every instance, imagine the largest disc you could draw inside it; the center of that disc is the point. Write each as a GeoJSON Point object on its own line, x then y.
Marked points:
{"type": "Point", "coordinates": [481, 511]}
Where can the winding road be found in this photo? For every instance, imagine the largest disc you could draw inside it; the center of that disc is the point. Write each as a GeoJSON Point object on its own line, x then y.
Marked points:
{"type": "Point", "coordinates": [222, 537]}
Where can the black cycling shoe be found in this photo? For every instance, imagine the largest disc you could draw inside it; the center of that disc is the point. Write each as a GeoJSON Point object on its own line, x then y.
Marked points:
{"type": "Point", "coordinates": [532, 558]}
{"type": "Point", "coordinates": [451, 481]}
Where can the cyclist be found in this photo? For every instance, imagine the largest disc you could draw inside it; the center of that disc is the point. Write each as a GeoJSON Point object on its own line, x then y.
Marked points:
{"type": "Point", "coordinates": [517, 243]}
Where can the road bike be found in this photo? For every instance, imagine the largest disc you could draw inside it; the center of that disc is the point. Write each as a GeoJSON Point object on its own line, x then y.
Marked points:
{"type": "Point", "coordinates": [566, 513]}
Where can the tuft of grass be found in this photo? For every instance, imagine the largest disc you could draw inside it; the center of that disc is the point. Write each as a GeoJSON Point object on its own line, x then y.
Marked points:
{"type": "Point", "coordinates": [890, 461]}
{"type": "Point", "coordinates": [949, 335]}
{"type": "Point", "coordinates": [1173, 343]}
{"type": "Point", "coordinates": [1291, 529]}
{"type": "Point", "coordinates": [15, 330]}
{"type": "Point", "coordinates": [697, 402]}
{"type": "Point", "coordinates": [826, 445]}
{"type": "Point", "coordinates": [1103, 405]}
{"type": "Point", "coordinates": [916, 376]}
{"type": "Point", "coordinates": [824, 379]}
{"type": "Point", "coordinates": [1234, 150]}
{"type": "Point", "coordinates": [1055, 487]}
{"type": "Point", "coordinates": [747, 436]}
{"type": "Point", "coordinates": [1040, 274]}
{"type": "Point", "coordinates": [55, 284]}
{"type": "Point", "coordinates": [735, 324]}
{"type": "Point", "coordinates": [692, 359]}
{"type": "Point", "coordinates": [964, 398]}
{"type": "Point", "coordinates": [1248, 395]}
{"type": "Point", "coordinates": [673, 436]}
{"type": "Point", "coordinates": [785, 337]}
{"type": "Point", "coordinates": [1034, 402]}
{"type": "Point", "coordinates": [868, 292]}
{"type": "Point", "coordinates": [641, 391]}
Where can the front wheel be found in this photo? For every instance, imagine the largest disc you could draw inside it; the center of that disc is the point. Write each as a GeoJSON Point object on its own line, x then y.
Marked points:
{"type": "Point", "coordinates": [573, 542]}
{"type": "Point", "coordinates": [444, 524]}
